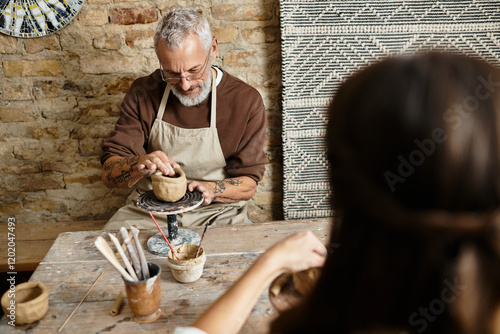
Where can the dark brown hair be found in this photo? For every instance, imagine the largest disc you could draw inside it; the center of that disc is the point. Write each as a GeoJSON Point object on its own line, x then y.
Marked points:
{"type": "Point", "coordinates": [414, 151]}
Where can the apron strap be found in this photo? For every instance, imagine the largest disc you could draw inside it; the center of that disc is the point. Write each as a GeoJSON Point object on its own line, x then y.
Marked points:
{"type": "Point", "coordinates": [163, 104]}
{"type": "Point", "coordinates": [213, 108]}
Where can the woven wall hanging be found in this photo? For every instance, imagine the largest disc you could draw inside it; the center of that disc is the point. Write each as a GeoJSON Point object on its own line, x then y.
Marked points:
{"type": "Point", "coordinates": [325, 41]}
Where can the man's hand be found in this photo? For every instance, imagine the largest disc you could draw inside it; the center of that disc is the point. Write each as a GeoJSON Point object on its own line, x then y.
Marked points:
{"type": "Point", "coordinates": [203, 188]}
{"type": "Point", "coordinates": [122, 172]}
{"type": "Point", "coordinates": [231, 190]}
{"type": "Point", "coordinates": [148, 164]}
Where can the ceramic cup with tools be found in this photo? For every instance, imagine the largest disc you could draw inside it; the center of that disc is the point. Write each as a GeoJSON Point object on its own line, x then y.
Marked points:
{"type": "Point", "coordinates": [169, 188]}
{"type": "Point", "coordinates": [144, 297]}
{"type": "Point", "coordinates": [188, 268]}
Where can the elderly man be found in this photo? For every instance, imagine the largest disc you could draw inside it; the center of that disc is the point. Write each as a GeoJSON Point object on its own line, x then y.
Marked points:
{"type": "Point", "coordinates": [191, 114]}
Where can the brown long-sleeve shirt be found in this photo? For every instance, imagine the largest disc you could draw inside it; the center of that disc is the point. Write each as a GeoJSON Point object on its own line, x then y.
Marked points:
{"type": "Point", "coordinates": [241, 122]}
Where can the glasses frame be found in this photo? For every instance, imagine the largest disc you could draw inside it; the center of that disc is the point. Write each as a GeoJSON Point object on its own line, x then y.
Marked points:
{"type": "Point", "coordinates": [191, 77]}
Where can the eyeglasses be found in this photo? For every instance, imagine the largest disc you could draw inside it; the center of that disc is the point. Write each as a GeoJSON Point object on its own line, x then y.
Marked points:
{"type": "Point", "coordinates": [191, 77]}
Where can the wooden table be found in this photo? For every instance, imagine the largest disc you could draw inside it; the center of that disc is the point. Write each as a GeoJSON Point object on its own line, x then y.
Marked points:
{"type": "Point", "coordinates": [73, 264]}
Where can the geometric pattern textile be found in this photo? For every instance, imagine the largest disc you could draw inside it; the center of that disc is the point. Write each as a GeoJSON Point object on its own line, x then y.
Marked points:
{"type": "Point", "coordinates": [323, 42]}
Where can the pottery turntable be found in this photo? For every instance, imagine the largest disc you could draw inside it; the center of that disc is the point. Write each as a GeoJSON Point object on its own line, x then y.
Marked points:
{"type": "Point", "coordinates": [149, 202]}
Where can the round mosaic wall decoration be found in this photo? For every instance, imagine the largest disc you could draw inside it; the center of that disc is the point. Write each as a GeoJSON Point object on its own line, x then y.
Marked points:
{"type": "Point", "coordinates": [36, 18]}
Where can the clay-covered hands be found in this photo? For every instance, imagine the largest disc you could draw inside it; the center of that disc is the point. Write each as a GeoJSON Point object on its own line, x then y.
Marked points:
{"type": "Point", "coordinates": [148, 164]}
{"type": "Point", "coordinates": [202, 187]}
{"type": "Point", "coordinates": [297, 252]}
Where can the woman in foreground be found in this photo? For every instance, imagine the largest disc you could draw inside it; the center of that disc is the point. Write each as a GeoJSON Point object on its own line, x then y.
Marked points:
{"type": "Point", "coordinates": [414, 149]}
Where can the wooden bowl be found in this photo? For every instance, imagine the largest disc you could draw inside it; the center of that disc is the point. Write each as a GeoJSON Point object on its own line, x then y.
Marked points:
{"type": "Point", "coordinates": [28, 303]}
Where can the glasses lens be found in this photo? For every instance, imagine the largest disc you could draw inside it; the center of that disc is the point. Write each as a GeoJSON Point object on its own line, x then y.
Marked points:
{"type": "Point", "coordinates": [172, 80]}
{"type": "Point", "coordinates": [196, 76]}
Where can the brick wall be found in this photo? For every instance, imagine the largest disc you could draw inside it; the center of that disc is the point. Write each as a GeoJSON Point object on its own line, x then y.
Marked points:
{"type": "Point", "coordinates": [60, 97]}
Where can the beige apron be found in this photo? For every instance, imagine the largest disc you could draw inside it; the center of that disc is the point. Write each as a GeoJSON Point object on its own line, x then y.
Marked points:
{"type": "Point", "coordinates": [200, 156]}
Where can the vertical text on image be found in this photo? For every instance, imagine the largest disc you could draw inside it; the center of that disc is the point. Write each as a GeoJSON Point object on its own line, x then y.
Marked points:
{"type": "Point", "coordinates": [11, 262]}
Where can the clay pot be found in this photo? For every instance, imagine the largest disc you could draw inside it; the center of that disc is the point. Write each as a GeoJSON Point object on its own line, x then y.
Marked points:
{"type": "Point", "coordinates": [188, 268]}
{"type": "Point", "coordinates": [282, 293]}
{"type": "Point", "coordinates": [304, 281]}
{"type": "Point", "coordinates": [31, 302]}
{"type": "Point", "coordinates": [169, 188]}
{"type": "Point", "coordinates": [289, 289]}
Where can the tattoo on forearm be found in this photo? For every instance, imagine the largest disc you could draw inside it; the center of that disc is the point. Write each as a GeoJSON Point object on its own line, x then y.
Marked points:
{"type": "Point", "coordinates": [124, 176]}
{"type": "Point", "coordinates": [233, 182]}
{"type": "Point", "coordinates": [124, 166]}
{"type": "Point", "coordinates": [220, 186]}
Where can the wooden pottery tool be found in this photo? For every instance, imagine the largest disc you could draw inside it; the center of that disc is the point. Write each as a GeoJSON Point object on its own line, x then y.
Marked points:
{"type": "Point", "coordinates": [140, 251]}
{"type": "Point", "coordinates": [105, 250]}
{"type": "Point", "coordinates": [83, 299]}
{"type": "Point", "coordinates": [131, 252]}
{"type": "Point", "coordinates": [123, 246]}
{"type": "Point", "coordinates": [115, 309]}
{"type": "Point", "coordinates": [124, 257]}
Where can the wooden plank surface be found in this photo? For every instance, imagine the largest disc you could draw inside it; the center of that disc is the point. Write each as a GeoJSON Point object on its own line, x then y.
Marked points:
{"type": "Point", "coordinates": [73, 264]}
{"type": "Point", "coordinates": [181, 303]}
{"type": "Point", "coordinates": [50, 230]}
{"type": "Point", "coordinates": [33, 240]}
{"type": "Point", "coordinates": [219, 239]}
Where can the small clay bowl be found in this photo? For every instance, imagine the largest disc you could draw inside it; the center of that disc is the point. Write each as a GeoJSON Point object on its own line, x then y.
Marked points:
{"type": "Point", "coordinates": [169, 188]}
{"type": "Point", "coordinates": [289, 289]}
{"type": "Point", "coordinates": [31, 302]}
{"type": "Point", "coordinates": [304, 281]}
{"type": "Point", "coordinates": [188, 268]}
{"type": "Point", "coordinates": [282, 293]}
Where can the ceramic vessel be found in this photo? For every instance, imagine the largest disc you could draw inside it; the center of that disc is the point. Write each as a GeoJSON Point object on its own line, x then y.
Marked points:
{"type": "Point", "coordinates": [188, 268]}
{"type": "Point", "coordinates": [30, 301]}
{"type": "Point", "coordinates": [282, 293]}
{"type": "Point", "coordinates": [289, 289]}
{"type": "Point", "coordinates": [144, 297]}
{"type": "Point", "coordinates": [304, 281]}
{"type": "Point", "coordinates": [169, 188]}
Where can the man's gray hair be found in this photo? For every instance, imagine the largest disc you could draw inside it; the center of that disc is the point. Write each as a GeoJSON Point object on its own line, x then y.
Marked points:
{"type": "Point", "coordinates": [178, 24]}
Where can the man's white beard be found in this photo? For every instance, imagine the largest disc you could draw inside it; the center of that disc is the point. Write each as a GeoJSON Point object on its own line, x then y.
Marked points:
{"type": "Point", "coordinates": [189, 101]}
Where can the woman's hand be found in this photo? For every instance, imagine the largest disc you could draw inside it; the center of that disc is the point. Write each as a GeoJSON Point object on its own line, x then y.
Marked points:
{"type": "Point", "coordinates": [297, 252]}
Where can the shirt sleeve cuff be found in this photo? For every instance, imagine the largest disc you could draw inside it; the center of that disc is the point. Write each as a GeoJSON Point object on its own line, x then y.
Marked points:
{"type": "Point", "coordinates": [188, 330]}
